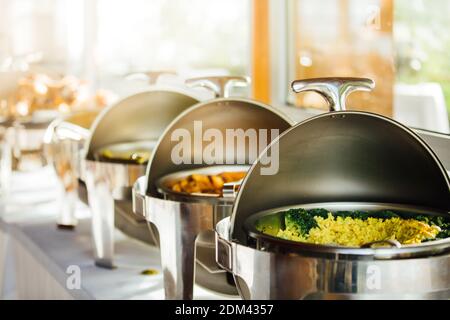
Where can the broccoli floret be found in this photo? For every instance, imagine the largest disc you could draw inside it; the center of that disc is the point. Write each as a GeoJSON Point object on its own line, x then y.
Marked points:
{"type": "Point", "coordinates": [299, 220]}
{"type": "Point", "coordinates": [385, 214]}
{"type": "Point", "coordinates": [352, 214]}
{"type": "Point", "coordinates": [318, 213]}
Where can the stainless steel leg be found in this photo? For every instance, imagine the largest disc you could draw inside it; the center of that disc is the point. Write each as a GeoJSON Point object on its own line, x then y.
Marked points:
{"type": "Point", "coordinates": [101, 203]}
{"type": "Point", "coordinates": [66, 216]}
{"type": "Point", "coordinates": [178, 225]}
{"type": "Point", "coordinates": [177, 258]}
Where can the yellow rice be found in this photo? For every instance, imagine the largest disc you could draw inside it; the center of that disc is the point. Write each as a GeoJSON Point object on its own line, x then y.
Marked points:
{"type": "Point", "coordinates": [356, 232]}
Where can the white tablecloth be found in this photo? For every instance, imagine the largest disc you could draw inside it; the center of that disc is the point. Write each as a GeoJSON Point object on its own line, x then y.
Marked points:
{"type": "Point", "coordinates": [35, 255]}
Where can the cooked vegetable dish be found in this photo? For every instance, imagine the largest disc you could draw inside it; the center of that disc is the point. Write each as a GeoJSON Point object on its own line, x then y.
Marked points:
{"type": "Point", "coordinates": [356, 228]}
{"type": "Point", "coordinates": [202, 183]}
{"type": "Point", "coordinates": [138, 156]}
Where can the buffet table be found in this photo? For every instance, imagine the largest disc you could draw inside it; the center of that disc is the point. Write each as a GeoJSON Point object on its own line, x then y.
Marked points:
{"type": "Point", "coordinates": [39, 261]}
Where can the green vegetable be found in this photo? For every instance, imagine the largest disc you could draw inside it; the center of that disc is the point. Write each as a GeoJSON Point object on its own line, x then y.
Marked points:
{"type": "Point", "coordinates": [270, 225]}
{"type": "Point", "coordinates": [439, 221]}
{"type": "Point", "coordinates": [384, 214]}
{"type": "Point", "coordinates": [149, 272]}
{"type": "Point", "coordinates": [302, 221]}
{"type": "Point", "coordinates": [363, 215]}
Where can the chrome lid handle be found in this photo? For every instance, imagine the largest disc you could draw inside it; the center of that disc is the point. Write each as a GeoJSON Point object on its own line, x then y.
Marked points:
{"type": "Point", "coordinates": [220, 85]}
{"type": "Point", "coordinates": [334, 90]}
{"type": "Point", "coordinates": [67, 130]}
{"type": "Point", "coordinates": [150, 76]}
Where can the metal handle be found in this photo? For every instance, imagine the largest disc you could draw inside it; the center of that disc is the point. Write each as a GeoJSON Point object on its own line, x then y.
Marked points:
{"type": "Point", "coordinates": [230, 189]}
{"type": "Point", "coordinates": [220, 85]}
{"type": "Point", "coordinates": [224, 255]}
{"type": "Point", "coordinates": [150, 76]}
{"type": "Point", "coordinates": [224, 247]}
{"type": "Point", "coordinates": [139, 196]}
{"type": "Point", "coordinates": [334, 90]}
{"type": "Point", "coordinates": [391, 242]}
{"type": "Point", "coordinates": [67, 130]}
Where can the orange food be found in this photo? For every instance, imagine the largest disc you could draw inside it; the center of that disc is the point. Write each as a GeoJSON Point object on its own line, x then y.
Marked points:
{"type": "Point", "coordinates": [202, 183]}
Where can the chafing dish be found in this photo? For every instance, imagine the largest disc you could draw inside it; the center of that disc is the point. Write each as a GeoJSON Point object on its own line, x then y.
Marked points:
{"type": "Point", "coordinates": [63, 145]}
{"type": "Point", "coordinates": [30, 101]}
{"type": "Point", "coordinates": [134, 123]}
{"type": "Point", "coordinates": [26, 141]}
{"type": "Point", "coordinates": [342, 160]}
{"type": "Point", "coordinates": [185, 222]}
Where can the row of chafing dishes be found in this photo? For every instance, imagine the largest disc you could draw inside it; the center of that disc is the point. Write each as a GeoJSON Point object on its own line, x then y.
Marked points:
{"type": "Point", "coordinates": [29, 101]}
{"type": "Point", "coordinates": [342, 160]}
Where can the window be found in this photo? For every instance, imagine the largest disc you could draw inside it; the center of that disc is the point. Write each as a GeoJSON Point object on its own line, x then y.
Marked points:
{"type": "Point", "coordinates": [187, 36]}
{"type": "Point", "coordinates": [403, 45]}
{"type": "Point", "coordinates": [51, 28]}
{"type": "Point", "coordinates": [354, 41]}
{"type": "Point", "coordinates": [422, 43]}
{"type": "Point", "coordinates": [103, 40]}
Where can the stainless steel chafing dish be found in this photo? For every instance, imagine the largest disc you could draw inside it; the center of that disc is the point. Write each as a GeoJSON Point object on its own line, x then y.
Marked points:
{"type": "Point", "coordinates": [26, 141]}
{"type": "Point", "coordinates": [64, 141]}
{"type": "Point", "coordinates": [185, 222]}
{"type": "Point", "coordinates": [134, 123]}
{"type": "Point", "coordinates": [342, 160]}
{"type": "Point", "coordinates": [30, 101]}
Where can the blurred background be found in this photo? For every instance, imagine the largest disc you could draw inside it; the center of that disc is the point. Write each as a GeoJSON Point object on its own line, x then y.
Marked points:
{"type": "Point", "coordinates": [88, 47]}
{"type": "Point", "coordinates": [62, 62]}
